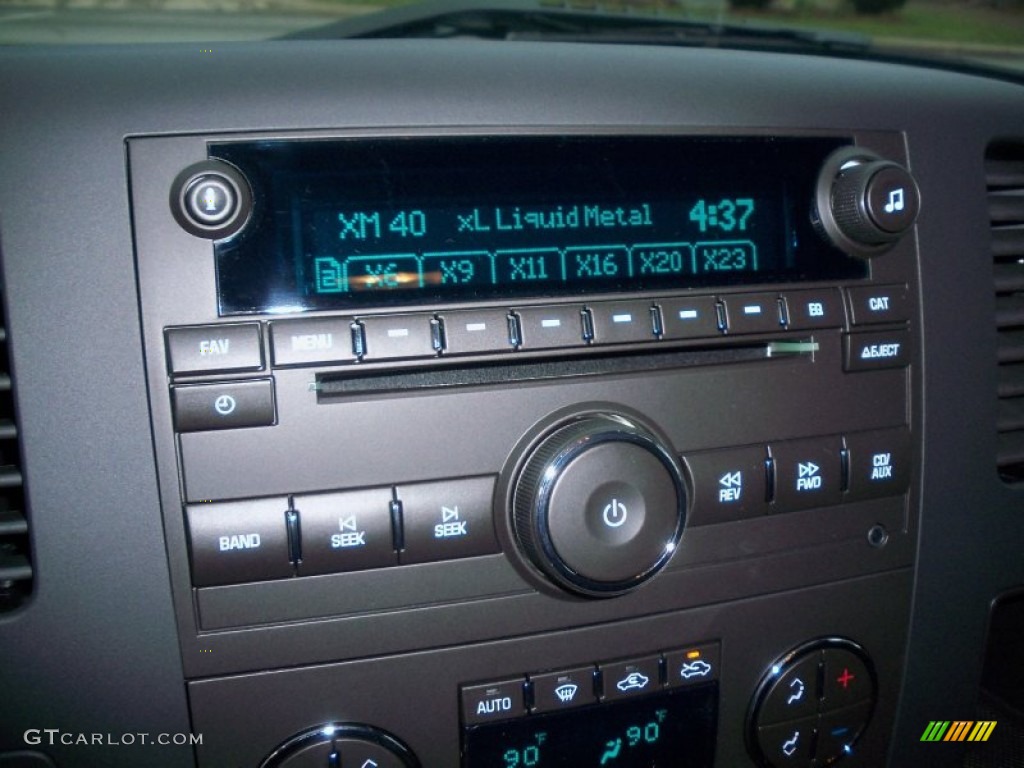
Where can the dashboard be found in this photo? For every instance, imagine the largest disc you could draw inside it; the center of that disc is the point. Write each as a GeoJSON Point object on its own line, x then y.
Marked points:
{"type": "Point", "coordinates": [453, 403]}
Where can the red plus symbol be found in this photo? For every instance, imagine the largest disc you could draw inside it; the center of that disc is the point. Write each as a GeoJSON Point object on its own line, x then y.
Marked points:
{"type": "Point", "coordinates": [845, 678]}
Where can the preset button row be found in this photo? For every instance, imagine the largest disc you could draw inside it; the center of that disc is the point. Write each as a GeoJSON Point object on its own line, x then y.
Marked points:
{"type": "Point", "coordinates": [309, 534]}
{"type": "Point", "coordinates": [739, 483]}
{"type": "Point", "coordinates": [238, 347]}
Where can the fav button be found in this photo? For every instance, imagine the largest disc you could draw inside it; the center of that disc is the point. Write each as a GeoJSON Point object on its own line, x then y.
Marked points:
{"type": "Point", "coordinates": [214, 348]}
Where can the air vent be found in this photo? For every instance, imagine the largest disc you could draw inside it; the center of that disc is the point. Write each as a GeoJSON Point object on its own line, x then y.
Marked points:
{"type": "Point", "coordinates": [1004, 171]}
{"type": "Point", "coordinates": [15, 562]}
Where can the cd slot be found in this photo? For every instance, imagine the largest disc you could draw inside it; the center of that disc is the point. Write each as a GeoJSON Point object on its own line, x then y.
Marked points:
{"type": "Point", "coordinates": [332, 387]}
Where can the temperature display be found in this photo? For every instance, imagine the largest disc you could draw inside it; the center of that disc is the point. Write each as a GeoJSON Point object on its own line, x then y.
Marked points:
{"type": "Point", "coordinates": [379, 222]}
{"type": "Point", "coordinates": [670, 730]}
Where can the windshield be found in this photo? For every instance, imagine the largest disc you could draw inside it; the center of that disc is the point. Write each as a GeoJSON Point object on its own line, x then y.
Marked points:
{"type": "Point", "coordinates": [962, 33]}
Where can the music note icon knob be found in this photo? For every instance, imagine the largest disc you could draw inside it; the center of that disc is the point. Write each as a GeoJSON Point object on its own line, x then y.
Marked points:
{"type": "Point", "coordinates": [864, 203]}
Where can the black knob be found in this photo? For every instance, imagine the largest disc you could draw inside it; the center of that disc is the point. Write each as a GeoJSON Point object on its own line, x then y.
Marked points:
{"type": "Point", "coordinates": [599, 505]}
{"type": "Point", "coordinates": [865, 204]}
{"type": "Point", "coordinates": [339, 745]}
{"type": "Point", "coordinates": [211, 199]}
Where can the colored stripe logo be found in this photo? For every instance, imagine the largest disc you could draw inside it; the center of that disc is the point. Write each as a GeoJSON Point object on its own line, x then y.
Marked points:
{"type": "Point", "coordinates": [958, 730]}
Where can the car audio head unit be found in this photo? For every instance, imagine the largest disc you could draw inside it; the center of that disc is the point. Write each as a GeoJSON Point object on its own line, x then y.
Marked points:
{"type": "Point", "coordinates": [540, 423]}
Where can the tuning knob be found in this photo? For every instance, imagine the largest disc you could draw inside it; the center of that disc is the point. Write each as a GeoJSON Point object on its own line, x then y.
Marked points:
{"type": "Point", "coordinates": [865, 204]}
{"type": "Point", "coordinates": [599, 505]}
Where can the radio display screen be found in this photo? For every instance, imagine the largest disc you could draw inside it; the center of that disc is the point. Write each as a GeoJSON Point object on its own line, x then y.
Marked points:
{"type": "Point", "coordinates": [668, 729]}
{"type": "Point", "coordinates": [361, 223]}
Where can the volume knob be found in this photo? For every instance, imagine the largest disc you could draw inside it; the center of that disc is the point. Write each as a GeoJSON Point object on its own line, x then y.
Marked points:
{"type": "Point", "coordinates": [599, 505]}
{"type": "Point", "coordinates": [865, 204]}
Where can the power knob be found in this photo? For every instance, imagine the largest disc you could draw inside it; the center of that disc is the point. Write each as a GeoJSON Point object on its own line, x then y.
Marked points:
{"type": "Point", "coordinates": [865, 204]}
{"type": "Point", "coordinates": [599, 505]}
